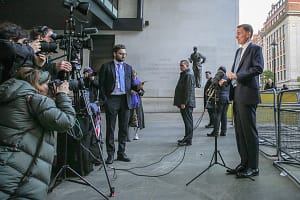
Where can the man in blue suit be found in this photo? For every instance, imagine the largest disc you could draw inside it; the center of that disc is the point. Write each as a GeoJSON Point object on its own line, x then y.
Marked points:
{"type": "Point", "coordinates": [116, 81]}
{"type": "Point", "coordinates": [244, 92]}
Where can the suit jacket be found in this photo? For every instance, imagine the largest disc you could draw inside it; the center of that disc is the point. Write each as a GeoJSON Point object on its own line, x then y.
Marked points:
{"type": "Point", "coordinates": [107, 81]}
{"type": "Point", "coordinates": [185, 90]}
{"type": "Point", "coordinates": [250, 66]}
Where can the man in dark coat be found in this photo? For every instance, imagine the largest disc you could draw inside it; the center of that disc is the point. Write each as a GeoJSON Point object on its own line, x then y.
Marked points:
{"type": "Point", "coordinates": [207, 105]}
{"type": "Point", "coordinates": [184, 99]}
{"type": "Point", "coordinates": [115, 82]}
{"type": "Point", "coordinates": [244, 77]}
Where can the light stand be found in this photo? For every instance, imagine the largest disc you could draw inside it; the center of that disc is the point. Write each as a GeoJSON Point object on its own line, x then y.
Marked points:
{"type": "Point", "coordinates": [274, 44]}
{"type": "Point", "coordinates": [214, 159]}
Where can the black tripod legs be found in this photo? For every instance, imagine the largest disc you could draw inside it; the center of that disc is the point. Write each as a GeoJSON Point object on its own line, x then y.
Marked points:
{"type": "Point", "coordinates": [215, 159]}
{"type": "Point", "coordinates": [112, 189]}
{"type": "Point", "coordinates": [63, 170]}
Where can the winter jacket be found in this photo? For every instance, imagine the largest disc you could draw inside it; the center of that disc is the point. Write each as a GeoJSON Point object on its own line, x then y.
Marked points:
{"type": "Point", "coordinates": [23, 125]}
{"type": "Point", "coordinates": [185, 90]}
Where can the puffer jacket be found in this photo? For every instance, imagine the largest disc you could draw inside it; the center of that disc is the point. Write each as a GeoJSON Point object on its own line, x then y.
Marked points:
{"type": "Point", "coordinates": [21, 128]}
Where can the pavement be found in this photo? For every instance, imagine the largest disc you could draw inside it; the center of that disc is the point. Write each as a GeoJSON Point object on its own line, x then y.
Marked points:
{"type": "Point", "coordinates": [160, 170]}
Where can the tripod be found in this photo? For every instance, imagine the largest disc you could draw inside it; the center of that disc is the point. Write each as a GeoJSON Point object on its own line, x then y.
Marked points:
{"type": "Point", "coordinates": [65, 167]}
{"type": "Point", "coordinates": [214, 159]}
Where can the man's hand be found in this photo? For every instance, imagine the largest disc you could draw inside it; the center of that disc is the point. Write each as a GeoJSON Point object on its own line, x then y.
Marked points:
{"type": "Point", "coordinates": [35, 45]}
{"type": "Point", "coordinates": [231, 76]}
{"type": "Point", "coordinates": [40, 59]}
{"type": "Point", "coordinates": [64, 88]}
{"type": "Point", "coordinates": [63, 66]}
{"type": "Point", "coordinates": [182, 106]}
{"type": "Point", "coordinates": [221, 82]}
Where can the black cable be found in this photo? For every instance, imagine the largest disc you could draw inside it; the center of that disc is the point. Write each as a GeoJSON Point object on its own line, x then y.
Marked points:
{"type": "Point", "coordinates": [210, 95]}
{"type": "Point", "coordinates": [152, 176]}
{"type": "Point", "coordinates": [140, 167]}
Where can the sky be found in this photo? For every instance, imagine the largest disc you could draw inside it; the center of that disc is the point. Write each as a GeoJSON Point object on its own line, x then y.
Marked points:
{"type": "Point", "coordinates": [255, 12]}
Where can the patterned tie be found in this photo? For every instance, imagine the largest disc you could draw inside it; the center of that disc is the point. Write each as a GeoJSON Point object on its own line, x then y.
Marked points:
{"type": "Point", "coordinates": [121, 78]}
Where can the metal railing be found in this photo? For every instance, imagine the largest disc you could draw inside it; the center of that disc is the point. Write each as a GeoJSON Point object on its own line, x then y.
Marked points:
{"type": "Point", "coordinates": [267, 123]}
{"type": "Point", "coordinates": [278, 123]}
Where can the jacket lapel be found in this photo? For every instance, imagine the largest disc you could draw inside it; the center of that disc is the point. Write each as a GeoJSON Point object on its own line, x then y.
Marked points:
{"type": "Point", "coordinates": [113, 70]}
{"type": "Point", "coordinates": [244, 55]}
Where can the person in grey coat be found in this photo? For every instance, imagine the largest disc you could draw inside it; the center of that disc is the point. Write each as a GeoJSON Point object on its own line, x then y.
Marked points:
{"type": "Point", "coordinates": [184, 99]}
{"type": "Point", "coordinates": [26, 132]}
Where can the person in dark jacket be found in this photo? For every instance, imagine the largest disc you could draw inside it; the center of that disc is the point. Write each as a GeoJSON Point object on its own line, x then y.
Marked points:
{"type": "Point", "coordinates": [248, 65]}
{"type": "Point", "coordinates": [269, 84]}
{"type": "Point", "coordinates": [221, 105]}
{"type": "Point", "coordinates": [207, 104]}
{"type": "Point", "coordinates": [115, 83]}
{"type": "Point", "coordinates": [26, 132]}
{"type": "Point", "coordinates": [184, 99]}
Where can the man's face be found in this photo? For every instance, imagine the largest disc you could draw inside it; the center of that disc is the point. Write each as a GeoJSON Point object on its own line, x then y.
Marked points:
{"type": "Point", "coordinates": [183, 66]}
{"type": "Point", "coordinates": [242, 36]}
{"type": "Point", "coordinates": [207, 75]}
{"type": "Point", "coordinates": [120, 55]}
{"type": "Point", "coordinates": [47, 37]}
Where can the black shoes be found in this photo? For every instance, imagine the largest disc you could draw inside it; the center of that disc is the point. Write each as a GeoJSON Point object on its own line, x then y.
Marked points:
{"type": "Point", "coordinates": [123, 158]}
{"type": "Point", "coordinates": [212, 134]}
{"type": "Point", "coordinates": [209, 126]}
{"type": "Point", "coordinates": [238, 169]}
{"type": "Point", "coordinates": [180, 140]}
{"type": "Point", "coordinates": [184, 143]}
{"type": "Point", "coordinates": [222, 134]}
{"type": "Point", "coordinates": [109, 160]}
{"type": "Point", "coordinates": [248, 173]}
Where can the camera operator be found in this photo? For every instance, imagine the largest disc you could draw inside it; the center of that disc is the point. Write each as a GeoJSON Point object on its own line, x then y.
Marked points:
{"type": "Point", "coordinates": [26, 132]}
{"type": "Point", "coordinates": [46, 34]}
{"type": "Point", "coordinates": [207, 104]}
{"type": "Point", "coordinates": [15, 52]}
{"type": "Point", "coordinates": [220, 101]}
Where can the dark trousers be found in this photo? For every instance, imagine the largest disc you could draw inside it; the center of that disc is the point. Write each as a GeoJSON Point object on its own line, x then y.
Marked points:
{"type": "Point", "coordinates": [246, 134]}
{"type": "Point", "coordinates": [116, 106]}
{"type": "Point", "coordinates": [211, 113]}
{"type": "Point", "coordinates": [221, 118]}
{"type": "Point", "coordinates": [187, 116]}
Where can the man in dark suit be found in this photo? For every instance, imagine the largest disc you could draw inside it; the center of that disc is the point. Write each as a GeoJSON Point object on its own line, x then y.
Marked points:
{"type": "Point", "coordinates": [207, 105]}
{"type": "Point", "coordinates": [184, 99]}
{"type": "Point", "coordinates": [116, 81]}
{"type": "Point", "coordinates": [244, 78]}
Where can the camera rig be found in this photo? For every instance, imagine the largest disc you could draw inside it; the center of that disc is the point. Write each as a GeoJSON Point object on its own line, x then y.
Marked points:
{"type": "Point", "coordinates": [73, 43]}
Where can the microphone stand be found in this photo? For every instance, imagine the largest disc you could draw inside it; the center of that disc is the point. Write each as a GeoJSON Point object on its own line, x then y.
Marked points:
{"type": "Point", "coordinates": [214, 159]}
